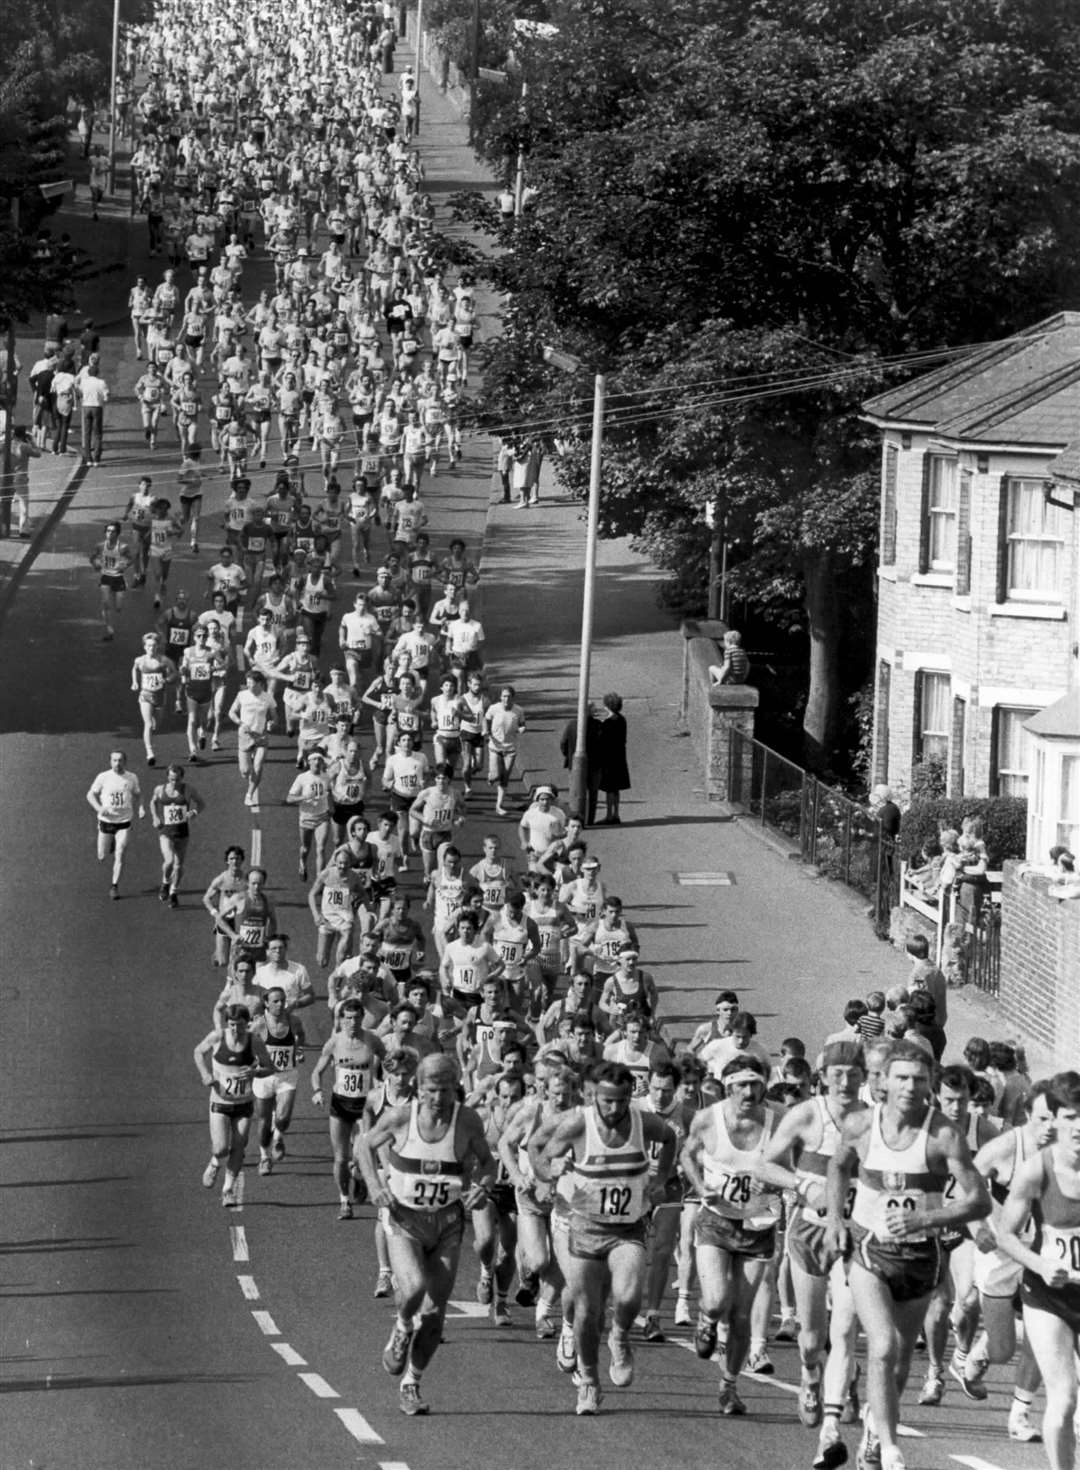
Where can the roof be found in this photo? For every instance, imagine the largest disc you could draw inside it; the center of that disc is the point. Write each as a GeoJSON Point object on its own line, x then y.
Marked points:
{"type": "Point", "coordinates": [1060, 720]}
{"type": "Point", "coordinates": [1067, 465]}
{"type": "Point", "coordinates": [1025, 390]}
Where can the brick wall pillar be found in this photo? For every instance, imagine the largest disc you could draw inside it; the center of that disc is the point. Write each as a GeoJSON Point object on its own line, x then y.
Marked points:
{"type": "Point", "coordinates": [712, 713]}
{"type": "Point", "coordinates": [1040, 962]}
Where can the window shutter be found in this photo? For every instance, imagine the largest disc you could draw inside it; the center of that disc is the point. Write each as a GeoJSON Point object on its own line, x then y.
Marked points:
{"type": "Point", "coordinates": [963, 536]}
{"type": "Point", "coordinates": [881, 749]}
{"type": "Point", "coordinates": [916, 734]}
{"type": "Point", "coordinates": [924, 518]}
{"type": "Point", "coordinates": [1001, 593]}
{"type": "Point", "coordinates": [888, 507]}
{"type": "Point", "coordinates": [994, 787]}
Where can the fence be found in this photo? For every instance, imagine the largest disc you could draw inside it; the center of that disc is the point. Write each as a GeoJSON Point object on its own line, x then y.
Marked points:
{"type": "Point", "coordinates": [981, 946]}
{"type": "Point", "coordinates": [838, 836]}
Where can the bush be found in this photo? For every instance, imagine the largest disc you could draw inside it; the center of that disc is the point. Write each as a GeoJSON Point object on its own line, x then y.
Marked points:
{"type": "Point", "coordinates": [928, 779]}
{"type": "Point", "coordinates": [1004, 820]}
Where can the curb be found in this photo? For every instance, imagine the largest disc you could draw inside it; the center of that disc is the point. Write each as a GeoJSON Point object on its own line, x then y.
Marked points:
{"type": "Point", "coordinates": [40, 536]}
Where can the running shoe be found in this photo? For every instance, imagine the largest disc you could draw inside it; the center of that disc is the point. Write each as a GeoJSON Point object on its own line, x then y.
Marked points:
{"type": "Point", "coordinates": [228, 1197]}
{"type": "Point", "coordinates": [277, 1148]}
{"type": "Point", "coordinates": [970, 1377]}
{"type": "Point", "coordinates": [760, 1362]}
{"type": "Point", "coordinates": [892, 1459]}
{"type": "Point", "coordinates": [831, 1450]}
{"type": "Point", "coordinates": [163, 893]}
{"type": "Point", "coordinates": [705, 1338]}
{"type": "Point", "coordinates": [174, 901]}
{"type": "Point", "coordinates": [409, 1400]}
{"type": "Point", "coordinates": [266, 1166]}
{"type": "Point", "coordinates": [484, 1289]}
{"type": "Point", "coordinates": [933, 1390]}
{"type": "Point", "coordinates": [396, 1350]}
{"type": "Point", "coordinates": [210, 1174]}
{"type": "Point", "coordinates": [215, 743]}
{"type": "Point", "coordinates": [501, 1313]}
{"type": "Point", "coordinates": [788, 1330]}
{"type": "Point", "coordinates": [566, 1350]}
{"type": "Point", "coordinates": [868, 1455]}
{"type": "Point", "coordinates": [621, 1367]}
{"type": "Point", "coordinates": [545, 1327]}
{"type": "Point", "coordinates": [683, 1315]}
{"type": "Point", "coordinates": [114, 890]}
{"type": "Point", "coordinates": [345, 1210]}
{"type": "Point", "coordinates": [1020, 1425]}
{"type": "Point", "coordinates": [588, 1398]}
{"type": "Point", "coordinates": [384, 1284]}
{"type": "Point", "coordinates": [730, 1404]}
{"type": "Point", "coordinates": [652, 1331]}
{"type": "Point", "coordinates": [809, 1405]}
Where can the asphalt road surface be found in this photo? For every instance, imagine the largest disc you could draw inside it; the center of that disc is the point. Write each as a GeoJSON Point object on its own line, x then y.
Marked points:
{"type": "Point", "coordinates": [142, 1325]}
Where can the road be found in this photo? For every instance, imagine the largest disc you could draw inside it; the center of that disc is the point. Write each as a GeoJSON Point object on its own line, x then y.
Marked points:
{"type": "Point", "coordinates": [143, 1326]}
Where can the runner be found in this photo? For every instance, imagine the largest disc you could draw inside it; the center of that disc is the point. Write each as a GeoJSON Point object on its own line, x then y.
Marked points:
{"type": "Point", "coordinates": [432, 1147]}
{"type": "Point", "coordinates": [253, 712]}
{"type": "Point", "coordinates": [110, 559]}
{"type": "Point", "coordinates": [235, 1057]}
{"type": "Point", "coordinates": [905, 1151]}
{"type": "Point", "coordinates": [310, 793]}
{"type": "Point", "coordinates": [151, 675]}
{"type": "Point", "coordinates": [227, 885]}
{"type": "Point", "coordinates": [116, 800]}
{"type": "Point", "coordinates": [735, 1233]}
{"type": "Point", "coordinates": [198, 667]}
{"type": "Point", "coordinates": [283, 1036]}
{"type": "Point", "coordinates": [248, 918]}
{"type": "Point", "coordinates": [334, 898]}
{"type": "Point", "coordinates": [796, 1158]}
{"type": "Point", "coordinates": [613, 1191]}
{"type": "Point", "coordinates": [1046, 1189]}
{"type": "Point", "coordinates": [352, 1052]}
{"type": "Point", "coordinates": [173, 806]}
{"type": "Point", "coordinates": [504, 723]}
{"type": "Point", "coordinates": [394, 1091]}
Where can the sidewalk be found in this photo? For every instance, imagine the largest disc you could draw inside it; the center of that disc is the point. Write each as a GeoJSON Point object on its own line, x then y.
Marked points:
{"type": "Point", "coordinates": [794, 947]}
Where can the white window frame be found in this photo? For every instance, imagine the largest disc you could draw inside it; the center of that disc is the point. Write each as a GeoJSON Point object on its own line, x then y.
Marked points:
{"type": "Point", "coordinates": [942, 511]}
{"type": "Point", "coordinates": [1051, 514]}
{"type": "Point", "coordinates": [1021, 773]}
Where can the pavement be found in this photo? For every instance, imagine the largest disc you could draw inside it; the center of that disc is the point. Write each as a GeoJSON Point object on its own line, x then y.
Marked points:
{"type": "Point", "coordinates": [141, 1325]}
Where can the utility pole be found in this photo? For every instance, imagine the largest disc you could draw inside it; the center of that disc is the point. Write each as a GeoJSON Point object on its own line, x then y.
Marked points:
{"type": "Point", "coordinates": [112, 95]}
{"type": "Point", "coordinates": [475, 69]}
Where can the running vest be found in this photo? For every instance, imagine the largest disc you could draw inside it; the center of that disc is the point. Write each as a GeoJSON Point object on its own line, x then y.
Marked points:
{"type": "Point", "coordinates": [227, 1066]}
{"type": "Point", "coordinates": [353, 1063]}
{"type": "Point", "coordinates": [1057, 1223]}
{"type": "Point", "coordinates": [425, 1176]}
{"type": "Point", "coordinates": [895, 1179]}
{"type": "Point", "coordinates": [728, 1173]}
{"type": "Point", "coordinates": [610, 1179]}
{"type": "Point", "coordinates": [814, 1163]}
{"type": "Point", "coordinates": [511, 942]}
{"type": "Point", "coordinates": [252, 922]}
{"type": "Point", "coordinates": [282, 1049]}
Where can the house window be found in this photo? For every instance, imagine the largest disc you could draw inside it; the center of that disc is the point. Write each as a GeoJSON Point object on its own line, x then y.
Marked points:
{"type": "Point", "coordinates": [941, 507]}
{"type": "Point", "coordinates": [1035, 543]}
{"type": "Point", "coordinates": [935, 716]}
{"type": "Point", "coordinates": [1009, 774]}
{"type": "Point", "coordinates": [1068, 809]}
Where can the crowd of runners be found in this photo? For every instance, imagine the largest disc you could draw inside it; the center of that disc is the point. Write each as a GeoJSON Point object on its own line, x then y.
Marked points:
{"type": "Point", "coordinates": [498, 1062]}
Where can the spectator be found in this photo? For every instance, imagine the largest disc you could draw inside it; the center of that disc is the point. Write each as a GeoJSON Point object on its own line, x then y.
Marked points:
{"type": "Point", "coordinates": [926, 976]}
{"type": "Point", "coordinates": [924, 1023]}
{"type": "Point", "coordinates": [736, 666]}
{"type": "Point", "coordinates": [93, 395]}
{"type": "Point", "coordinates": [741, 1042]}
{"type": "Point", "coordinates": [872, 1025]}
{"type": "Point", "coordinates": [63, 403]}
{"type": "Point", "coordinates": [854, 1011]}
{"type": "Point", "coordinates": [613, 772]}
{"type": "Point", "coordinates": [23, 450]}
{"type": "Point", "coordinates": [99, 178]}
{"type": "Point", "coordinates": [568, 744]}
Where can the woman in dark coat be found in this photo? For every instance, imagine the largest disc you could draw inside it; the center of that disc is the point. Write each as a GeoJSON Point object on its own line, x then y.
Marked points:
{"type": "Point", "coordinates": [611, 756]}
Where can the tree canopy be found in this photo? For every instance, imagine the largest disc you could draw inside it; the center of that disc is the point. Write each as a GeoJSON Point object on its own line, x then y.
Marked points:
{"type": "Point", "coordinates": [751, 217]}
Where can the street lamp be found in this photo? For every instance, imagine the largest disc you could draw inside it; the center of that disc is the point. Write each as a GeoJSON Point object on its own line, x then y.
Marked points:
{"type": "Point", "coordinates": [566, 362]}
{"type": "Point", "coordinates": [112, 96]}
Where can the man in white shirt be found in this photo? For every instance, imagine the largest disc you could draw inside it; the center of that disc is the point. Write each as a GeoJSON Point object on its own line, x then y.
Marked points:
{"type": "Point", "coordinates": [93, 395]}
{"type": "Point", "coordinates": [253, 712]}
{"type": "Point", "coordinates": [741, 1042]}
{"type": "Point", "coordinates": [504, 723]}
{"type": "Point", "coordinates": [277, 969]}
{"type": "Point", "coordinates": [116, 800]}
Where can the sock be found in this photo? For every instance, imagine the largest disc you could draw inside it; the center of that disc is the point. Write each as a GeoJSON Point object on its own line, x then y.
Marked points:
{"type": "Point", "coordinates": [264, 1153]}
{"type": "Point", "coordinates": [727, 1380]}
{"type": "Point", "coordinates": [404, 1325]}
{"type": "Point", "coordinates": [757, 1345]}
{"type": "Point", "coordinates": [980, 1348]}
{"type": "Point", "coordinates": [960, 1358]}
{"type": "Point", "coordinates": [230, 1179]}
{"type": "Point", "coordinates": [1022, 1398]}
{"type": "Point", "coordinates": [833, 1411]}
{"type": "Point", "coordinates": [411, 1376]}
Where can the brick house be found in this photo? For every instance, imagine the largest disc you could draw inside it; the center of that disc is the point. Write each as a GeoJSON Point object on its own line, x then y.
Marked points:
{"type": "Point", "coordinates": [978, 610]}
{"type": "Point", "coordinates": [979, 565]}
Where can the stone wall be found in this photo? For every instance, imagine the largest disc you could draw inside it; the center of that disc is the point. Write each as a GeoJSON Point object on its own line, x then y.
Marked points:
{"type": "Point", "coordinates": [712, 712]}
{"type": "Point", "coordinates": [1040, 962]}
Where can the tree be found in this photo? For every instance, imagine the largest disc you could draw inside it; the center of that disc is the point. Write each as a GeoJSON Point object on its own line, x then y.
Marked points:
{"type": "Point", "coordinates": [791, 200]}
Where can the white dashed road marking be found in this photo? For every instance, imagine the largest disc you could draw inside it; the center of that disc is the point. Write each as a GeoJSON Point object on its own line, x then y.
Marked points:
{"type": "Point", "coordinates": [974, 1463]}
{"type": "Point", "coordinates": [266, 1324]}
{"type": "Point", "coordinates": [238, 1239]}
{"type": "Point", "coordinates": [358, 1426]}
{"type": "Point", "coordinates": [248, 1287]}
{"type": "Point", "coordinates": [318, 1385]}
{"type": "Point", "coordinates": [289, 1354]}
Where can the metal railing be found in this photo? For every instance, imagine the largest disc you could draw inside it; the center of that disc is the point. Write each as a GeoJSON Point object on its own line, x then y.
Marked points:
{"type": "Point", "coordinates": [837, 835]}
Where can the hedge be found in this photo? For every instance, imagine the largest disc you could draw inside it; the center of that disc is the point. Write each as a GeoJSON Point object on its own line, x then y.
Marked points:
{"type": "Point", "coordinates": [1004, 820]}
